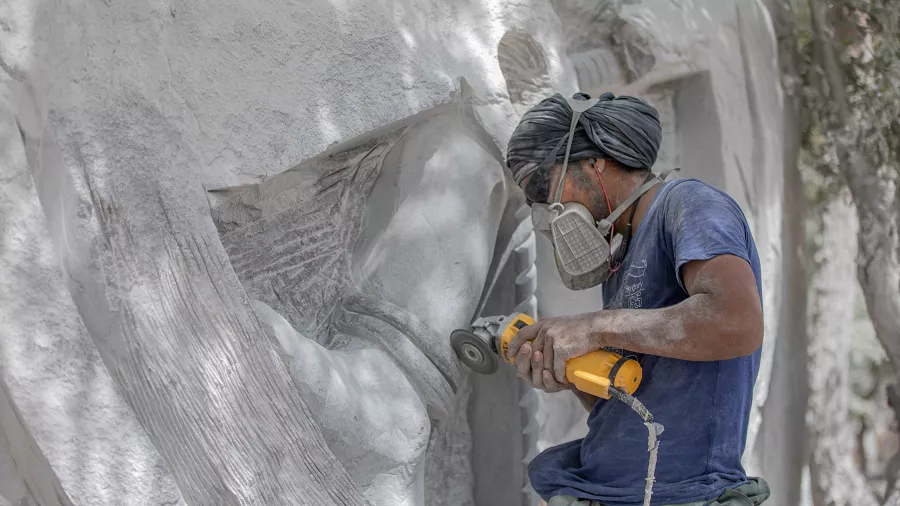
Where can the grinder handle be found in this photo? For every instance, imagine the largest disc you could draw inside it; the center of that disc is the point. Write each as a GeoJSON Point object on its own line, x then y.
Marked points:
{"type": "Point", "coordinates": [591, 373]}
{"type": "Point", "coordinates": [584, 381]}
{"type": "Point", "coordinates": [509, 330]}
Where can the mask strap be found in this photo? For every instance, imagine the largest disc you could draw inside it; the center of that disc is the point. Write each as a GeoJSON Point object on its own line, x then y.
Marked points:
{"type": "Point", "coordinates": [578, 107]}
{"type": "Point", "coordinates": [627, 237]}
{"type": "Point", "coordinates": [612, 226]}
{"type": "Point", "coordinates": [550, 158]}
{"type": "Point", "coordinates": [644, 188]}
{"type": "Point", "coordinates": [629, 226]}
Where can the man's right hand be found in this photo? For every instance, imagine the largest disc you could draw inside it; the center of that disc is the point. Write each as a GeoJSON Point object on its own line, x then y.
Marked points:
{"type": "Point", "coordinates": [530, 366]}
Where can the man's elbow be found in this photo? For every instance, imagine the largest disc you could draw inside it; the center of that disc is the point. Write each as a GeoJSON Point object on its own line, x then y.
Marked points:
{"type": "Point", "coordinates": [747, 337]}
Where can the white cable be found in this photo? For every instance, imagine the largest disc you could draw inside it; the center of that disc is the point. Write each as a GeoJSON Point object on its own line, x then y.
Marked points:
{"type": "Point", "coordinates": [653, 432]}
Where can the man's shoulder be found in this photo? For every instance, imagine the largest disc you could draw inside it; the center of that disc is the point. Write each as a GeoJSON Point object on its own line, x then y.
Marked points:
{"type": "Point", "coordinates": [692, 197]}
{"type": "Point", "coordinates": [693, 188]}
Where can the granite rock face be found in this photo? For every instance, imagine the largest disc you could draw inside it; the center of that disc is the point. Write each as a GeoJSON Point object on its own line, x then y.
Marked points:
{"type": "Point", "coordinates": [235, 236]}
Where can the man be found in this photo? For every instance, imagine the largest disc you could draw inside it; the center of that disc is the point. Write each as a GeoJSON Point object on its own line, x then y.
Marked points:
{"type": "Point", "coordinates": [682, 296]}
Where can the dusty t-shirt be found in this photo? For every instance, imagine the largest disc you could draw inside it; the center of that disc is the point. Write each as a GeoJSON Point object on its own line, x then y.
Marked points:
{"type": "Point", "coordinates": [704, 406]}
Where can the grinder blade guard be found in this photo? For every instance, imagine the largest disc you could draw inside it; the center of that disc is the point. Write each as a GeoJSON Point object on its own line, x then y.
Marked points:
{"type": "Point", "coordinates": [483, 345]}
{"type": "Point", "coordinates": [601, 373]}
{"type": "Point", "coordinates": [475, 348]}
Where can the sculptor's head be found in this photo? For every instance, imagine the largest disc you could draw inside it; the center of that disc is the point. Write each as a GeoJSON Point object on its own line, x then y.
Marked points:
{"type": "Point", "coordinates": [614, 147]}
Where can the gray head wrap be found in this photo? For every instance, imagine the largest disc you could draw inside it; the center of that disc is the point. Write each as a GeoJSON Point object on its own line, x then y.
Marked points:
{"type": "Point", "coordinates": [625, 129]}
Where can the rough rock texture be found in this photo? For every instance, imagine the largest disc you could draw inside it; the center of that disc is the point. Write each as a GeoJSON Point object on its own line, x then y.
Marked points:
{"type": "Point", "coordinates": [381, 221]}
{"type": "Point", "coordinates": [297, 244]}
{"type": "Point", "coordinates": [78, 437]}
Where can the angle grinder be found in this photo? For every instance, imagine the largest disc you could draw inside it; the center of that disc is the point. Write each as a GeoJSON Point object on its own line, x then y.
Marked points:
{"type": "Point", "coordinates": [481, 346]}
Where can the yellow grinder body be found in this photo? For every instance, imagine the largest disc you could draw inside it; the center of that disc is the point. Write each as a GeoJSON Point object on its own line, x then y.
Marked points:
{"type": "Point", "coordinates": [592, 373]}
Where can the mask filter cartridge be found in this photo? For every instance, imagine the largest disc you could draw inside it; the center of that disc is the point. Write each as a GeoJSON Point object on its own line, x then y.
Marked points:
{"type": "Point", "coordinates": [582, 250]}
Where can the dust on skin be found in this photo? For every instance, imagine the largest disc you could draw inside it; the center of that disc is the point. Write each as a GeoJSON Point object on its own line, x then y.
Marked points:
{"type": "Point", "coordinates": [708, 311]}
{"type": "Point", "coordinates": [719, 326]}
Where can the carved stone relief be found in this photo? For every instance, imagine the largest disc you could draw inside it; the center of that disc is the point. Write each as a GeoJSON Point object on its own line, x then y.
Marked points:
{"type": "Point", "coordinates": [296, 243]}
{"type": "Point", "coordinates": [525, 69]}
{"type": "Point", "coordinates": [294, 348]}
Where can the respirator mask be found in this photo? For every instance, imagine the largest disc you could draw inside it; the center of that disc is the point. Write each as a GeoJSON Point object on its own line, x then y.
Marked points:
{"type": "Point", "coordinates": [587, 252]}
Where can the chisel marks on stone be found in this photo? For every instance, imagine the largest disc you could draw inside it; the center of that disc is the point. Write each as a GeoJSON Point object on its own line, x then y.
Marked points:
{"type": "Point", "coordinates": [295, 253]}
{"type": "Point", "coordinates": [174, 329]}
{"type": "Point", "coordinates": [426, 362]}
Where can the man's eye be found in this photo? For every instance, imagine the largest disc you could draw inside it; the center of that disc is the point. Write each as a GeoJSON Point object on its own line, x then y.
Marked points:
{"type": "Point", "coordinates": [536, 191]}
{"type": "Point", "coordinates": [529, 198]}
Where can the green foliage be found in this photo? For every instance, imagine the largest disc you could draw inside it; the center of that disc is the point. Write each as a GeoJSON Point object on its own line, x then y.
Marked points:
{"type": "Point", "coordinates": [803, 22]}
{"type": "Point", "coordinates": [864, 34]}
{"type": "Point", "coordinates": [856, 143]}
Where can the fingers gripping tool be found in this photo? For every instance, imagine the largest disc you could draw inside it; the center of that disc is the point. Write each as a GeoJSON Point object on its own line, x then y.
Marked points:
{"type": "Point", "coordinates": [482, 345]}
{"type": "Point", "coordinates": [600, 373]}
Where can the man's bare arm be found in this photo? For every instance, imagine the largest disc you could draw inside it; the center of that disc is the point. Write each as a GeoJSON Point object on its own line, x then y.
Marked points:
{"type": "Point", "coordinates": [721, 319]}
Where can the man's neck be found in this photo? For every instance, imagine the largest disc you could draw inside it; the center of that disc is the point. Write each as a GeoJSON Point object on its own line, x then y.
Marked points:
{"type": "Point", "coordinates": [642, 204]}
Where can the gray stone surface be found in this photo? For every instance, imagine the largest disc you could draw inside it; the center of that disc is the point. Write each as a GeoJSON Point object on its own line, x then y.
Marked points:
{"type": "Point", "coordinates": [332, 245]}
{"type": "Point", "coordinates": [68, 432]}
{"type": "Point", "coordinates": [375, 133]}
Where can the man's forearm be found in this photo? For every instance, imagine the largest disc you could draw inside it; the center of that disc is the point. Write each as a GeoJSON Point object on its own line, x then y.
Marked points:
{"type": "Point", "coordinates": [695, 329]}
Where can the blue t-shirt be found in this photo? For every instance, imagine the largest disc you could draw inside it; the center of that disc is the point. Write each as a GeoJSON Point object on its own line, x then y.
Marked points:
{"type": "Point", "coordinates": [704, 406]}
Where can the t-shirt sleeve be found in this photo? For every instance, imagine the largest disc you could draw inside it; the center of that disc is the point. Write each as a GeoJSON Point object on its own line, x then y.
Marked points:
{"type": "Point", "coordinates": [702, 223]}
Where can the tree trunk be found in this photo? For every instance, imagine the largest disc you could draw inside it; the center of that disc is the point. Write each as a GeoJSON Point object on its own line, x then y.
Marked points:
{"type": "Point", "coordinates": [834, 477]}
{"type": "Point", "coordinates": [875, 197]}
{"type": "Point", "coordinates": [878, 268]}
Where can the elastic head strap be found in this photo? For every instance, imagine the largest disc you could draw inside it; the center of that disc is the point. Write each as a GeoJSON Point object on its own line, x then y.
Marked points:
{"type": "Point", "coordinates": [644, 188]}
{"type": "Point", "coordinates": [578, 107]}
{"type": "Point", "coordinates": [630, 226]}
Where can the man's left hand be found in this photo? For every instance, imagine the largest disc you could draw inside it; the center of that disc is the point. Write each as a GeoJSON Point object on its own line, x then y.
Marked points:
{"type": "Point", "coordinates": [557, 340]}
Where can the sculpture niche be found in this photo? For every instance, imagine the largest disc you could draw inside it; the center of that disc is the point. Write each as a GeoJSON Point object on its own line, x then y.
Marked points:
{"type": "Point", "coordinates": [332, 389]}
{"type": "Point", "coordinates": [347, 256]}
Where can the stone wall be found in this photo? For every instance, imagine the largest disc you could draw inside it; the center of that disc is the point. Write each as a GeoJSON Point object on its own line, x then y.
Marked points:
{"type": "Point", "coordinates": [340, 163]}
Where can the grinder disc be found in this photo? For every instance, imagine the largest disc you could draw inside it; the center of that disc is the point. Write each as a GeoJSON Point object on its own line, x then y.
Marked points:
{"type": "Point", "coordinates": [473, 351]}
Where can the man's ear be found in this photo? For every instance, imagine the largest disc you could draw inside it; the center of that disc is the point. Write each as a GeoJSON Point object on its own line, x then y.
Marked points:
{"type": "Point", "coordinates": [598, 165]}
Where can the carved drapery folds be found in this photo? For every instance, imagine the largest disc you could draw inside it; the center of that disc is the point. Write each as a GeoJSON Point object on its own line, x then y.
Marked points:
{"type": "Point", "coordinates": [294, 348]}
